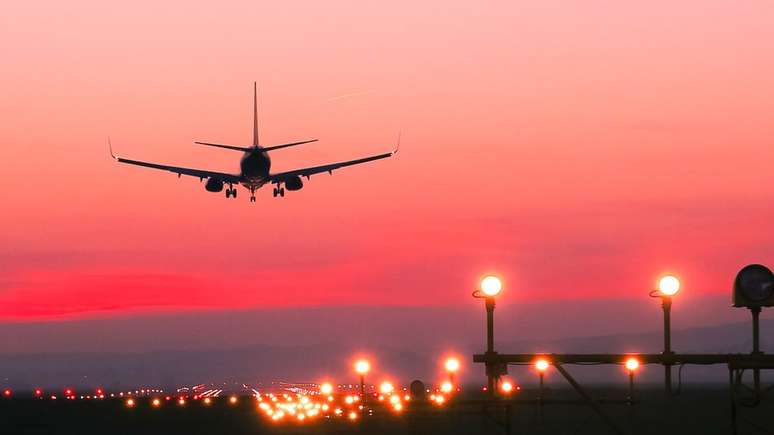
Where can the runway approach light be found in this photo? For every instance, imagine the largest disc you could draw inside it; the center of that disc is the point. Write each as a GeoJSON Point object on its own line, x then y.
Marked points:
{"type": "Point", "coordinates": [447, 387]}
{"type": "Point", "coordinates": [491, 286]}
{"type": "Point", "coordinates": [452, 365]}
{"type": "Point", "coordinates": [326, 389]}
{"type": "Point", "coordinates": [386, 388]}
{"type": "Point", "coordinates": [506, 387]}
{"type": "Point", "coordinates": [632, 364]}
{"type": "Point", "coordinates": [362, 367]}
{"type": "Point", "coordinates": [669, 285]}
{"type": "Point", "coordinates": [542, 365]}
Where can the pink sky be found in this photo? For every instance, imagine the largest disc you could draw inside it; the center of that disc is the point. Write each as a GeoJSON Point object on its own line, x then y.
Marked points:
{"type": "Point", "coordinates": [579, 149]}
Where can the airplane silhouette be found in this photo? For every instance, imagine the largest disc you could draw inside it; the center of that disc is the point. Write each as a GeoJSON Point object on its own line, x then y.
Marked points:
{"type": "Point", "coordinates": [255, 165]}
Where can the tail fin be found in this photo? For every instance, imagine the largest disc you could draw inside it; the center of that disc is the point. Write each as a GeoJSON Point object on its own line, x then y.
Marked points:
{"type": "Point", "coordinates": [255, 114]}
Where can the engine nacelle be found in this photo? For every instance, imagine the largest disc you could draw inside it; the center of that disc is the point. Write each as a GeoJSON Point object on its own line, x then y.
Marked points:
{"type": "Point", "coordinates": [294, 183]}
{"type": "Point", "coordinates": [214, 185]}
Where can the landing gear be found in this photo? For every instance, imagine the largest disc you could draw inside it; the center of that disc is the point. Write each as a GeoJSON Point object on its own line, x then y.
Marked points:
{"type": "Point", "coordinates": [252, 195]}
{"type": "Point", "coordinates": [231, 192]}
{"type": "Point", "coordinates": [279, 191]}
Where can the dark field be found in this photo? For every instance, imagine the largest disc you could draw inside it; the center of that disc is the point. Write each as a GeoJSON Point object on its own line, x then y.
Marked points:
{"type": "Point", "coordinates": [704, 410]}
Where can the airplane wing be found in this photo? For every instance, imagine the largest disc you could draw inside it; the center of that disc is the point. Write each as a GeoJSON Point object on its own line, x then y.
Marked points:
{"type": "Point", "coordinates": [228, 178]}
{"type": "Point", "coordinates": [307, 172]}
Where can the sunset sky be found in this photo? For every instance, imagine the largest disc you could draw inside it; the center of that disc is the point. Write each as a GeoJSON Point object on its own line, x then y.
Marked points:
{"type": "Point", "coordinates": [579, 152]}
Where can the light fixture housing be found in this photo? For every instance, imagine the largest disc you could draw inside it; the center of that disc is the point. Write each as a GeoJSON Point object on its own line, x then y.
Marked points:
{"type": "Point", "coordinates": [669, 285]}
{"type": "Point", "coordinates": [491, 286]}
{"type": "Point", "coordinates": [754, 287]}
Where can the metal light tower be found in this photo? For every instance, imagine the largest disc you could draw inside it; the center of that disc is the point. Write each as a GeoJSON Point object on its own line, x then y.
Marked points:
{"type": "Point", "coordinates": [490, 287]}
{"type": "Point", "coordinates": [452, 365]}
{"type": "Point", "coordinates": [541, 365]}
{"type": "Point", "coordinates": [668, 286]}
{"type": "Point", "coordinates": [362, 367]}
{"type": "Point", "coordinates": [632, 364]}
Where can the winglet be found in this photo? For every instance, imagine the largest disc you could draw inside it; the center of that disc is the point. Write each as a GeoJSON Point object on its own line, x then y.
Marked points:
{"type": "Point", "coordinates": [110, 148]}
{"type": "Point", "coordinates": [397, 145]}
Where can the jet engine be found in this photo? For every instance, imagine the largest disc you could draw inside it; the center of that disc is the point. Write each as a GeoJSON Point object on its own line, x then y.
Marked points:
{"type": "Point", "coordinates": [214, 185]}
{"type": "Point", "coordinates": [294, 183]}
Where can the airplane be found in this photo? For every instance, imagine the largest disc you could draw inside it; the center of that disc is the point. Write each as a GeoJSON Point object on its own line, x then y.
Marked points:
{"type": "Point", "coordinates": [255, 165]}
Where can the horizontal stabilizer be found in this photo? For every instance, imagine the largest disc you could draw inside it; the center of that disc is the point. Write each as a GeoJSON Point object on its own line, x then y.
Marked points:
{"type": "Point", "coordinates": [276, 147]}
{"type": "Point", "coordinates": [228, 147]}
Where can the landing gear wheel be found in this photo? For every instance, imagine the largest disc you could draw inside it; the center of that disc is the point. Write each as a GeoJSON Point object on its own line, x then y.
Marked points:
{"type": "Point", "coordinates": [228, 193]}
{"type": "Point", "coordinates": [282, 192]}
{"type": "Point", "coordinates": [274, 192]}
{"type": "Point", "coordinates": [233, 192]}
{"type": "Point", "coordinates": [252, 199]}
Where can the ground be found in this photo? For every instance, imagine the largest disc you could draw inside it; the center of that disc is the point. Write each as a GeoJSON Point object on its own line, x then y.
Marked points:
{"type": "Point", "coordinates": [700, 410]}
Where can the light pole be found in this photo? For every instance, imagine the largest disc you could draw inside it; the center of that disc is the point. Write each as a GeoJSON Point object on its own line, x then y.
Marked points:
{"type": "Point", "coordinates": [632, 364]}
{"type": "Point", "coordinates": [541, 365]}
{"type": "Point", "coordinates": [452, 365]}
{"type": "Point", "coordinates": [668, 286]}
{"type": "Point", "coordinates": [362, 367]}
{"type": "Point", "coordinates": [490, 287]}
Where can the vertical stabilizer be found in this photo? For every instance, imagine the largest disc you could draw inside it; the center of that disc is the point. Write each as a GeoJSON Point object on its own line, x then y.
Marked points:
{"type": "Point", "coordinates": [255, 114]}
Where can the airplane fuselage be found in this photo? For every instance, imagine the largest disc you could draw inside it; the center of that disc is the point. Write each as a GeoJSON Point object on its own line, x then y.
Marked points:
{"type": "Point", "coordinates": [254, 167]}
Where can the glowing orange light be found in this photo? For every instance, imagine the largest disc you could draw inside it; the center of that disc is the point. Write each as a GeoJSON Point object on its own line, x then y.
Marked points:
{"type": "Point", "coordinates": [233, 400]}
{"type": "Point", "coordinates": [632, 364]}
{"type": "Point", "coordinates": [447, 387]}
{"type": "Point", "coordinates": [542, 365]}
{"type": "Point", "coordinates": [397, 406]}
{"type": "Point", "coordinates": [326, 389]}
{"type": "Point", "coordinates": [386, 388]}
{"type": "Point", "coordinates": [129, 403]}
{"type": "Point", "coordinates": [181, 401]}
{"type": "Point", "coordinates": [362, 367]}
{"type": "Point", "coordinates": [491, 285]}
{"type": "Point", "coordinates": [506, 387]}
{"type": "Point", "coordinates": [669, 285]}
{"type": "Point", "coordinates": [207, 400]}
{"type": "Point", "coordinates": [353, 415]}
{"type": "Point", "coordinates": [452, 365]}
{"type": "Point", "coordinates": [440, 399]}
{"type": "Point", "coordinates": [156, 403]}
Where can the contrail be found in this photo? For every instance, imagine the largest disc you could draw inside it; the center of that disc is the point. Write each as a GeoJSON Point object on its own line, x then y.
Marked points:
{"type": "Point", "coordinates": [353, 94]}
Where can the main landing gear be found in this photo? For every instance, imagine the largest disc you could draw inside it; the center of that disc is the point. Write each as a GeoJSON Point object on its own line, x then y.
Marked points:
{"type": "Point", "coordinates": [279, 191]}
{"type": "Point", "coordinates": [231, 192]}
